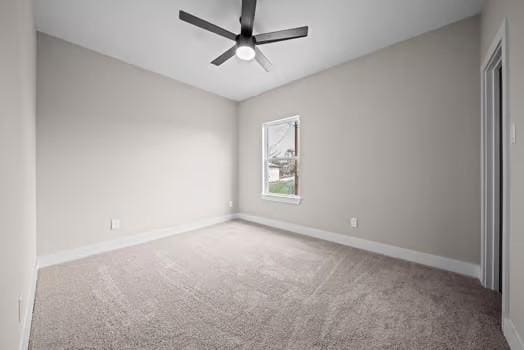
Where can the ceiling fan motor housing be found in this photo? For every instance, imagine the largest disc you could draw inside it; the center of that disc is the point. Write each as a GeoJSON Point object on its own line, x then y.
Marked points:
{"type": "Point", "coordinates": [246, 41]}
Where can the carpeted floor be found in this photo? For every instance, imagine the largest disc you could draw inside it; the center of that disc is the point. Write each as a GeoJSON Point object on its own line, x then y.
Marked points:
{"type": "Point", "coordinates": [244, 286]}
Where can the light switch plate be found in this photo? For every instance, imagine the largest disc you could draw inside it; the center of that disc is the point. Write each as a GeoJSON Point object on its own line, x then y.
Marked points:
{"type": "Point", "coordinates": [20, 309]}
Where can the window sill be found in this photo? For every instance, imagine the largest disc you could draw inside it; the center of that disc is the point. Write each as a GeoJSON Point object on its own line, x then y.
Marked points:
{"type": "Point", "coordinates": [296, 200]}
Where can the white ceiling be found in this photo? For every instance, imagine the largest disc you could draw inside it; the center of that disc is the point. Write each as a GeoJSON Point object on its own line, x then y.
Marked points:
{"type": "Point", "coordinates": [148, 34]}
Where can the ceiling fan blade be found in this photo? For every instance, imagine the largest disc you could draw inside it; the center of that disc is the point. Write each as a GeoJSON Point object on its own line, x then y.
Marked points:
{"type": "Point", "coordinates": [225, 56]}
{"type": "Point", "coordinates": [189, 18]}
{"type": "Point", "coordinates": [288, 34]}
{"type": "Point", "coordinates": [247, 18]}
{"type": "Point", "coordinates": [262, 60]}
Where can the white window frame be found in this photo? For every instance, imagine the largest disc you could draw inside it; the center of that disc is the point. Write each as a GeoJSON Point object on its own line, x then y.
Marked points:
{"type": "Point", "coordinates": [282, 198]}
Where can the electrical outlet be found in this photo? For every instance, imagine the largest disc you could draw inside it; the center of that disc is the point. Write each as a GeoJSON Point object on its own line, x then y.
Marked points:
{"type": "Point", "coordinates": [354, 222]}
{"type": "Point", "coordinates": [513, 134]}
{"type": "Point", "coordinates": [115, 224]}
{"type": "Point", "coordinates": [231, 204]}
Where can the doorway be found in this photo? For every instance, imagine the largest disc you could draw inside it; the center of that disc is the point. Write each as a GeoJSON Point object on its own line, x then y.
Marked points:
{"type": "Point", "coordinates": [495, 174]}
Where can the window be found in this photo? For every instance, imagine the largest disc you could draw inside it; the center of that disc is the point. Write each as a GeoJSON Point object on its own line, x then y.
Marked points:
{"type": "Point", "coordinates": [280, 160]}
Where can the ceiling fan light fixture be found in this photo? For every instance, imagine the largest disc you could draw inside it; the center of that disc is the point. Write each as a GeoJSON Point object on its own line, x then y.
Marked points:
{"type": "Point", "coordinates": [245, 52]}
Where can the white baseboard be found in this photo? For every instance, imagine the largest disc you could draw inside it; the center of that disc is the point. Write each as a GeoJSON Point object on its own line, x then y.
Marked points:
{"type": "Point", "coordinates": [512, 336]}
{"type": "Point", "coordinates": [28, 316]}
{"type": "Point", "coordinates": [123, 242]}
{"type": "Point", "coordinates": [448, 264]}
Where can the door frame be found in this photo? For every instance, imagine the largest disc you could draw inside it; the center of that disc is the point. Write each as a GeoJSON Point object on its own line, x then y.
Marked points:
{"type": "Point", "coordinates": [498, 48]}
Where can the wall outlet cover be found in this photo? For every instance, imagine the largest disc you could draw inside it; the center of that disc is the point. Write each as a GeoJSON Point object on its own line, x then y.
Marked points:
{"type": "Point", "coordinates": [115, 224]}
{"type": "Point", "coordinates": [354, 222]}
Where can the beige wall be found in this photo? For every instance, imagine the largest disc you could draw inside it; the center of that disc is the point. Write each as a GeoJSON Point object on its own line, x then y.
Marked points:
{"type": "Point", "coordinates": [115, 141]}
{"type": "Point", "coordinates": [17, 159]}
{"type": "Point", "coordinates": [494, 13]}
{"type": "Point", "coordinates": [392, 138]}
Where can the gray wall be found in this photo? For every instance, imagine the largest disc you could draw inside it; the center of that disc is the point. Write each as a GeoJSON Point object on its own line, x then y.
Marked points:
{"type": "Point", "coordinates": [115, 141]}
{"type": "Point", "coordinates": [17, 159]}
{"type": "Point", "coordinates": [494, 13]}
{"type": "Point", "coordinates": [392, 138]}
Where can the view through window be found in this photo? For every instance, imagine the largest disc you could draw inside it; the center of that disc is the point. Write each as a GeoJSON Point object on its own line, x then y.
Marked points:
{"type": "Point", "coordinates": [281, 157]}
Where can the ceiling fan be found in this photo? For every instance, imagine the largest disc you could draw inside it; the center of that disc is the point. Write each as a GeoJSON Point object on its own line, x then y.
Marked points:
{"type": "Point", "coordinates": [246, 44]}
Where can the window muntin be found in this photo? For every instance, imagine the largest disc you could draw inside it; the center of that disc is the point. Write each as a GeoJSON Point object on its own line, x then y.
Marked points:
{"type": "Point", "coordinates": [281, 158]}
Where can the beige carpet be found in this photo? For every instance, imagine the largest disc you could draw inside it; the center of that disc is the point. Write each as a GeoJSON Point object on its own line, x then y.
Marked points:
{"type": "Point", "coordinates": [244, 286]}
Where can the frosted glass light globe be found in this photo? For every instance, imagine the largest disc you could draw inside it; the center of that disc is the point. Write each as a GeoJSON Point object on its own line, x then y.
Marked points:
{"type": "Point", "coordinates": [245, 53]}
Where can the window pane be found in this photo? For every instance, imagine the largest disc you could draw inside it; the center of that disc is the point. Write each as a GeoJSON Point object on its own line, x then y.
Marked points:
{"type": "Point", "coordinates": [281, 140]}
{"type": "Point", "coordinates": [282, 176]}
